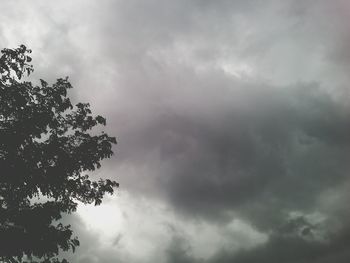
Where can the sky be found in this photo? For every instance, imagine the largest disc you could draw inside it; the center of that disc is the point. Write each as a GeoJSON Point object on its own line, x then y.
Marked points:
{"type": "Point", "coordinates": [232, 119]}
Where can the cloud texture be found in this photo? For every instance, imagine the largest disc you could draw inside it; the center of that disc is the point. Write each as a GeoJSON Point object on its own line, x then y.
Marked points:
{"type": "Point", "coordinates": [232, 119]}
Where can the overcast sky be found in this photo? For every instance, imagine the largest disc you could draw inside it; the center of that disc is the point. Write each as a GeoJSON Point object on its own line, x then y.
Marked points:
{"type": "Point", "coordinates": [232, 119]}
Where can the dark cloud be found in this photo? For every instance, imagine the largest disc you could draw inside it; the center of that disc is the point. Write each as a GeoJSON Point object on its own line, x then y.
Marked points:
{"type": "Point", "coordinates": [178, 250]}
{"type": "Point", "coordinates": [294, 250]}
{"type": "Point", "coordinates": [223, 110]}
{"type": "Point", "coordinates": [273, 153]}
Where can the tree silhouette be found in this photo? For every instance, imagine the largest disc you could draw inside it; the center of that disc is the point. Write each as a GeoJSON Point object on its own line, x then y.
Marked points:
{"type": "Point", "coordinates": [46, 145]}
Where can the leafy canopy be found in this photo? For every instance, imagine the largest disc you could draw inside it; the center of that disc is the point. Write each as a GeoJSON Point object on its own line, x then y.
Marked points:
{"type": "Point", "coordinates": [46, 145]}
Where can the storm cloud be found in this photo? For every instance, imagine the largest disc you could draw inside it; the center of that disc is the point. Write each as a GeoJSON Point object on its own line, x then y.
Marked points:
{"type": "Point", "coordinates": [232, 120]}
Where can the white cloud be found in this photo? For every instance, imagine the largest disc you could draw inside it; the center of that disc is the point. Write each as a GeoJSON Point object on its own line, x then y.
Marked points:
{"type": "Point", "coordinates": [142, 230]}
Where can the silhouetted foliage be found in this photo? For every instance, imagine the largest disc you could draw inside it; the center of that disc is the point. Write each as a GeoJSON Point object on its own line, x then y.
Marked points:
{"type": "Point", "coordinates": [46, 145]}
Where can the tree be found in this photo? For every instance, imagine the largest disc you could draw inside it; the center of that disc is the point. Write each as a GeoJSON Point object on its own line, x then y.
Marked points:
{"type": "Point", "coordinates": [46, 146]}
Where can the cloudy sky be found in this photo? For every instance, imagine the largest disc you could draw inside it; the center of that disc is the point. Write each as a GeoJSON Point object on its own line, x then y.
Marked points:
{"type": "Point", "coordinates": [232, 119]}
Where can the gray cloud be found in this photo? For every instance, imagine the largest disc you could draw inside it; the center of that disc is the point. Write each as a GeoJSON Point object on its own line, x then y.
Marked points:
{"type": "Point", "coordinates": [223, 110]}
{"type": "Point", "coordinates": [293, 249]}
{"type": "Point", "coordinates": [266, 146]}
